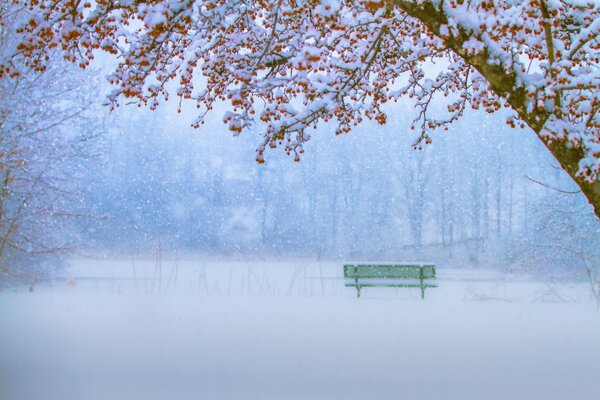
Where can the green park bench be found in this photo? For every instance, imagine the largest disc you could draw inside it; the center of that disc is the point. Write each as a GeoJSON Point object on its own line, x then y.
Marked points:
{"type": "Point", "coordinates": [410, 275]}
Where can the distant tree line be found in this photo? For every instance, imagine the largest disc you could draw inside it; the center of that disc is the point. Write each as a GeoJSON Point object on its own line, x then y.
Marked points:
{"type": "Point", "coordinates": [368, 195]}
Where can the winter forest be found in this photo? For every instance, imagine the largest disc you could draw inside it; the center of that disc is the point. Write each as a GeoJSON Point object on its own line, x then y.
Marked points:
{"type": "Point", "coordinates": [480, 194]}
{"type": "Point", "coordinates": [80, 178]}
{"type": "Point", "coordinates": [176, 173]}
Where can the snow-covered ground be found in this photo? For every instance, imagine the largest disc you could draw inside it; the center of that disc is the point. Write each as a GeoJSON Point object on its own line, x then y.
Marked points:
{"type": "Point", "coordinates": [213, 329]}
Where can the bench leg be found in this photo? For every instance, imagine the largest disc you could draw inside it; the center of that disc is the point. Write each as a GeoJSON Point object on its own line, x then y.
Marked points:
{"type": "Point", "coordinates": [357, 291]}
{"type": "Point", "coordinates": [422, 292]}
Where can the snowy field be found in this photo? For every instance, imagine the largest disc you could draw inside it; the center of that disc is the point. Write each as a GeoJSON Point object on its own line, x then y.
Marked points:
{"type": "Point", "coordinates": [211, 329]}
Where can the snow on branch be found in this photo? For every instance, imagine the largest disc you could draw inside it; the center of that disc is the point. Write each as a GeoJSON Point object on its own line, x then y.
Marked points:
{"type": "Point", "coordinates": [295, 63]}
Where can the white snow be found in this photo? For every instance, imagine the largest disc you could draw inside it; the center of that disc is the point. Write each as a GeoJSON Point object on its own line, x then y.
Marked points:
{"type": "Point", "coordinates": [256, 330]}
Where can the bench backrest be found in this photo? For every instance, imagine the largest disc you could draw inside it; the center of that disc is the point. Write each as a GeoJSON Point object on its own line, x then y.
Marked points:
{"type": "Point", "coordinates": [390, 271]}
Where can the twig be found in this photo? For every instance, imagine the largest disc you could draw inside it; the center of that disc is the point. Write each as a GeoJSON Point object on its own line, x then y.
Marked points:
{"type": "Point", "coordinates": [134, 273]}
{"type": "Point", "coordinates": [551, 187]}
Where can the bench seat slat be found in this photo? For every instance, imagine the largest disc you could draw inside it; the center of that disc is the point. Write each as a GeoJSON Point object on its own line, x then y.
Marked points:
{"type": "Point", "coordinates": [389, 271]}
{"type": "Point", "coordinates": [390, 274]}
{"type": "Point", "coordinates": [408, 285]}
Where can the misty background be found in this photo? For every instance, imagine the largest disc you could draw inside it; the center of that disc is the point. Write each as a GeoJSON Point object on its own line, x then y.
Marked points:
{"type": "Point", "coordinates": [126, 182]}
{"type": "Point", "coordinates": [482, 194]}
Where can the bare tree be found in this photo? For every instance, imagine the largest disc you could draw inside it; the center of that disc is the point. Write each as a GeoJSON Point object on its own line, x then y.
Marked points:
{"type": "Point", "coordinates": [46, 134]}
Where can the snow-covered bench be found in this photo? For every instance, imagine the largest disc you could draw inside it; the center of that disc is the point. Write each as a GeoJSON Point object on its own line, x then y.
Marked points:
{"type": "Point", "coordinates": [417, 275]}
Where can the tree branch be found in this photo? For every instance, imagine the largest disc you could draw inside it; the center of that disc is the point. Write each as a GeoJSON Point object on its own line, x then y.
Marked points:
{"type": "Point", "coordinates": [504, 83]}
